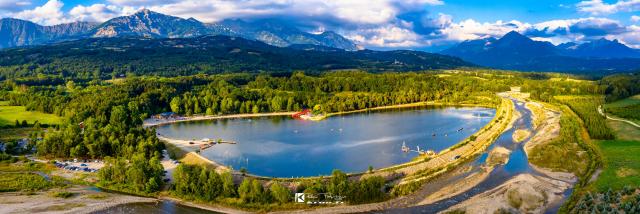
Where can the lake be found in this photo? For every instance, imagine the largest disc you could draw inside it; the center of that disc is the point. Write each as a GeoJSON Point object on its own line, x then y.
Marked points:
{"type": "Point", "coordinates": [286, 147]}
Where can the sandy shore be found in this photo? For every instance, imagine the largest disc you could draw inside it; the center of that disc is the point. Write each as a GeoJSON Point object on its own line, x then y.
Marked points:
{"type": "Point", "coordinates": [520, 135]}
{"type": "Point", "coordinates": [525, 193]}
{"type": "Point", "coordinates": [154, 122]}
{"type": "Point", "coordinates": [548, 129]}
{"type": "Point", "coordinates": [83, 201]}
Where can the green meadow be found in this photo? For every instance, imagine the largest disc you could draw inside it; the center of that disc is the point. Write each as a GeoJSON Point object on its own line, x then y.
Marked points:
{"type": "Point", "coordinates": [621, 165]}
{"type": "Point", "coordinates": [634, 100]}
{"type": "Point", "coordinates": [9, 114]}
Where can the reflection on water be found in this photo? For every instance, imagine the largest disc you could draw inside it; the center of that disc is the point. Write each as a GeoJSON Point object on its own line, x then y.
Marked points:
{"type": "Point", "coordinates": [284, 147]}
{"type": "Point", "coordinates": [160, 207]}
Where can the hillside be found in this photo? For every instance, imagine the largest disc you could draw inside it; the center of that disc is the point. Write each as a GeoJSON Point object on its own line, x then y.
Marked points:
{"type": "Point", "coordinates": [205, 54]}
{"type": "Point", "coordinates": [150, 24]}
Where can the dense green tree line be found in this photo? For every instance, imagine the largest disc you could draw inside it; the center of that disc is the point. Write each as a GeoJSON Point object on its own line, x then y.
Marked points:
{"type": "Point", "coordinates": [587, 109]}
{"type": "Point", "coordinates": [621, 86]}
{"type": "Point", "coordinates": [629, 112]}
{"type": "Point", "coordinates": [337, 91]}
{"type": "Point", "coordinates": [137, 174]}
{"type": "Point", "coordinates": [197, 182]}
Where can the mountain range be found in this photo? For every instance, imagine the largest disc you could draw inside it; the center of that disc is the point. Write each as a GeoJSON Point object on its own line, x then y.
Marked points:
{"type": "Point", "coordinates": [518, 52]}
{"type": "Point", "coordinates": [512, 51]}
{"type": "Point", "coordinates": [201, 54]}
{"type": "Point", "coordinates": [146, 23]}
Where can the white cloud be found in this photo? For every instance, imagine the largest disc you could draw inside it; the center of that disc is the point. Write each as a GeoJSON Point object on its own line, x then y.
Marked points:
{"type": "Point", "coordinates": [635, 18]}
{"type": "Point", "coordinates": [96, 12]}
{"type": "Point", "coordinates": [597, 7]}
{"type": "Point", "coordinates": [630, 38]}
{"type": "Point", "coordinates": [386, 36]}
{"type": "Point", "coordinates": [470, 29]}
{"type": "Point", "coordinates": [48, 14]}
{"type": "Point", "coordinates": [12, 5]}
{"type": "Point", "coordinates": [353, 11]}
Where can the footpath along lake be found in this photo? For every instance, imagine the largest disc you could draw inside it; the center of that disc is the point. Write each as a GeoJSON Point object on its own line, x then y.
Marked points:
{"type": "Point", "coordinates": [285, 147]}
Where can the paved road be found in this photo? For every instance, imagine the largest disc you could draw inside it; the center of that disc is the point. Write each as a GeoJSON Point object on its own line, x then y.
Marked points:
{"type": "Point", "coordinates": [617, 119]}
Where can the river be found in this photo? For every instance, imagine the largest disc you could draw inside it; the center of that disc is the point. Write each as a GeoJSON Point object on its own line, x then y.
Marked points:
{"type": "Point", "coordinates": [518, 164]}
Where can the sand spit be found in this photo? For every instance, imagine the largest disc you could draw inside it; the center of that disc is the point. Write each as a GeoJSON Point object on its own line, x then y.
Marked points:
{"type": "Point", "coordinates": [525, 193]}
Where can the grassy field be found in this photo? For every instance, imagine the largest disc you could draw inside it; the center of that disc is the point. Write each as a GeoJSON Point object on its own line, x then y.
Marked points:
{"type": "Point", "coordinates": [624, 131]}
{"type": "Point", "coordinates": [621, 165]}
{"type": "Point", "coordinates": [9, 114]}
{"type": "Point", "coordinates": [634, 100]}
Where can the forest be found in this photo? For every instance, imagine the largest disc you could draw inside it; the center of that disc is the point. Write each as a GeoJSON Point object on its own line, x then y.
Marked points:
{"type": "Point", "coordinates": [102, 119]}
{"type": "Point", "coordinates": [197, 182]}
{"type": "Point", "coordinates": [621, 86]}
{"type": "Point", "coordinates": [586, 108]}
{"type": "Point", "coordinates": [103, 58]}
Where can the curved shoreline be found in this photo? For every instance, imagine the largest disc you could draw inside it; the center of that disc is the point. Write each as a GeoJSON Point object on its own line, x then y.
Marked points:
{"type": "Point", "coordinates": [442, 157]}
{"type": "Point", "coordinates": [154, 122]}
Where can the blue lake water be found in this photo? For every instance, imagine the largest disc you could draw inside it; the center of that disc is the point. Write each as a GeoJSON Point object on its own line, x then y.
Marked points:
{"type": "Point", "coordinates": [285, 147]}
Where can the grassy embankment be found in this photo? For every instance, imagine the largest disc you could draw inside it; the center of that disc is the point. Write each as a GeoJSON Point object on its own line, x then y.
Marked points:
{"type": "Point", "coordinates": [9, 114]}
{"type": "Point", "coordinates": [574, 151]}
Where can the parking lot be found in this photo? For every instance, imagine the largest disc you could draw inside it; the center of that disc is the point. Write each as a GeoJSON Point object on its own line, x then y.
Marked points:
{"type": "Point", "coordinates": [80, 165]}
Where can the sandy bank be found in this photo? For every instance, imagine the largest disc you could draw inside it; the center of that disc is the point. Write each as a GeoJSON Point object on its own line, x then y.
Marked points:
{"type": "Point", "coordinates": [547, 130]}
{"type": "Point", "coordinates": [525, 193]}
{"type": "Point", "coordinates": [520, 134]}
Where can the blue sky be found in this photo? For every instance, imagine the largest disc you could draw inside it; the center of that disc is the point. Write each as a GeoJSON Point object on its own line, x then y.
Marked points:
{"type": "Point", "coordinates": [378, 24]}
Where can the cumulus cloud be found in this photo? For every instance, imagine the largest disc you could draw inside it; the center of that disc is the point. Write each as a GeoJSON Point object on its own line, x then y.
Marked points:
{"type": "Point", "coordinates": [48, 14]}
{"type": "Point", "coordinates": [598, 7]}
{"type": "Point", "coordinates": [13, 5]}
{"type": "Point", "coordinates": [372, 23]}
{"type": "Point", "coordinates": [471, 29]}
{"type": "Point", "coordinates": [97, 12]}
{"type": "Point", "coordinates": [386, 36]}
{"type": "Point", "coordinates": [353, 11]}
{"type": "Point", "coordinates": [138, 3]}
{"type": "Point", "coordinates": [630, 38]}
{"type": "Point", "coordinates": [585, 29]}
